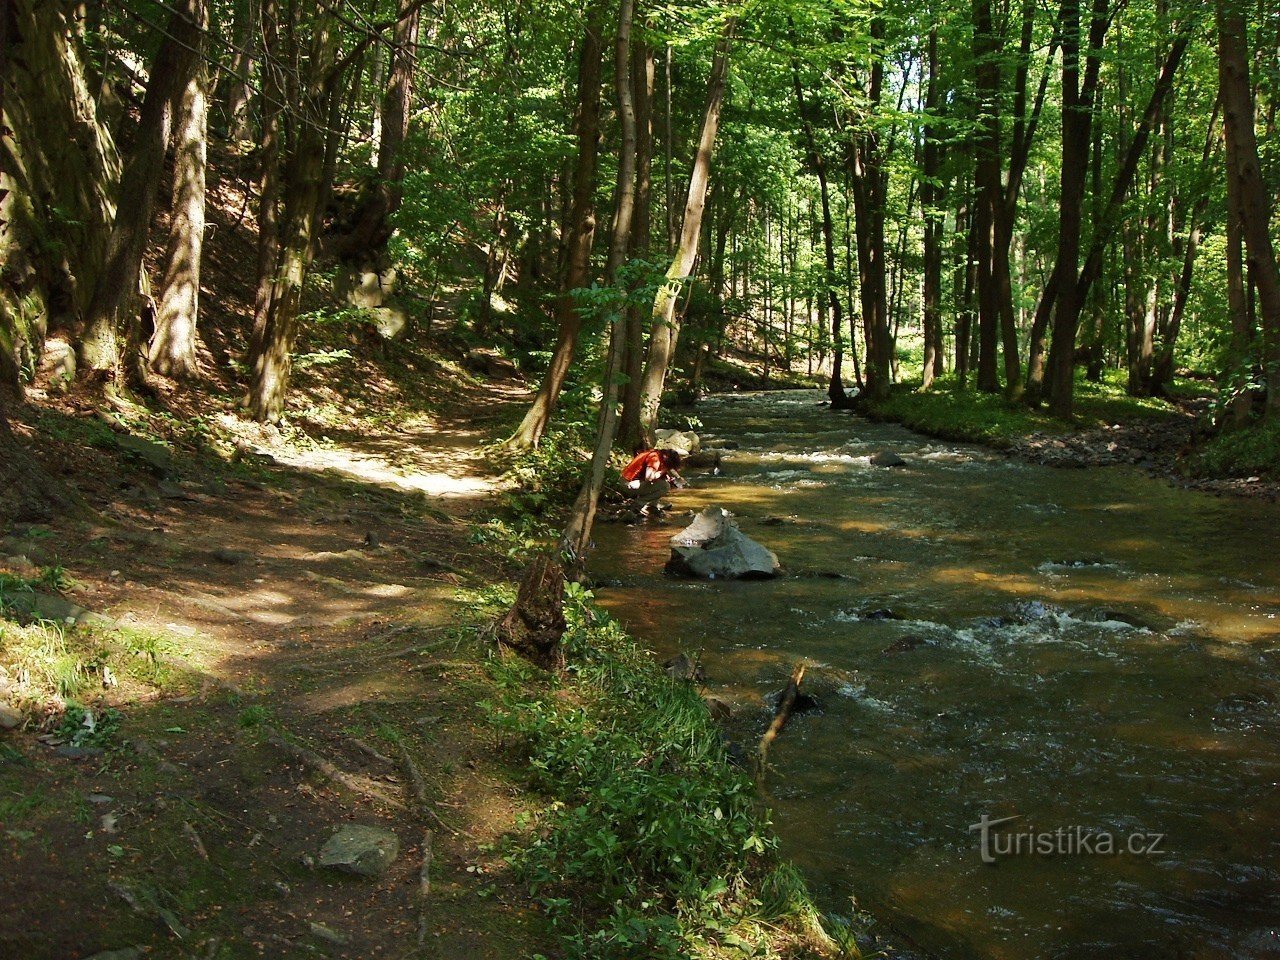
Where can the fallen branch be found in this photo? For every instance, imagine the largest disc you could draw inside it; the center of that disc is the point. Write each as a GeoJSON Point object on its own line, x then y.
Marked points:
{"type": "Point", "coordinates": [786, 703]}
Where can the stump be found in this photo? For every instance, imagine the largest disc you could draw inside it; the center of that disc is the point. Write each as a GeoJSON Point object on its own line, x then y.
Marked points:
{"type": "Point", "coordinates": [534, 625]}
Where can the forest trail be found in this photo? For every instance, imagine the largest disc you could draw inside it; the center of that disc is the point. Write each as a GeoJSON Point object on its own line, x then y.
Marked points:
{"type": "Point", "coordinates": [315, 606]}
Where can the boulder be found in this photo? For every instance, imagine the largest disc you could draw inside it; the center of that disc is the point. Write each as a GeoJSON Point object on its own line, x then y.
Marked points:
{"type": "Point", "coordinates": [366, 851]}
{"type": "Point", "coordinates": [713, 547]}
{"type": "Point", "coordinates": [390, 321]}
{"type": "Point", "coordinates": [704, 459]}
{"type": "Point", "coordinates": [10, 717]}
{"type": "Point", "coordinates": [155, 455]}
{"type": "Point", "coordinates": [683, 442]}
{"type": "Point", "coordinates": [887, 458]}
{"type": "Point", "coordinates": [490, 363]}
{"type": "Point", "coordinates": [680, 667]}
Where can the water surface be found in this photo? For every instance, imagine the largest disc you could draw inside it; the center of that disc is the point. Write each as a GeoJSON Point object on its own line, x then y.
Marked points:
{"type": "Point", "coordinates": [1089, 649]}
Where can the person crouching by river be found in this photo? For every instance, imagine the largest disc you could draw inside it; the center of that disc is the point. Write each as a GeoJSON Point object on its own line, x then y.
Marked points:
{"type": "Point", "coordinates": [651, 475]}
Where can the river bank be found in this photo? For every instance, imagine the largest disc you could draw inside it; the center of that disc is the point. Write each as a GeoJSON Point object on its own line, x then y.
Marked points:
{"type": "Point", "coordinates": [1171, 439]}
{"type": "Point", "coordinates": [280, 635]}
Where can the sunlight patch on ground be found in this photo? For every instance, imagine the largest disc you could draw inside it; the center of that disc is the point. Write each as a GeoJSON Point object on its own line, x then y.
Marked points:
{"type": "Point", "coordinates": [436, 483]}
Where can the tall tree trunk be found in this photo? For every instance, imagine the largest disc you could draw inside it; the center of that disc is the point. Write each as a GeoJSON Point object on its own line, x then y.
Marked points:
{"type": "Point", "coordinates": [1249, 197]}
{"type": "Point", "coordinates": [988, 191]}
{"type": "Point", "coordinates": [666, 325]}
{"type": "Point", "coordinates": [933, 217]}
{"type": "Point", "coordinates": [580, 236]}
{"type": "Point", "coordinates": [869, 180]}
{"type": "Point", "coordinates": [271, 344]}
{"type": "Point", "coordinates": [173, 344]}
{"type": "Point", "coordinates": [630, 433]}
{"type": "Point", "coordinates": [113, 307]}
{"type": "Point", "coordinates": [237, 89]}
{"type": "Point", "coordinates": [363, 248]}
{"type": "Point", "coordinates": [835, 387]}
{"type": "Point", "coordinates": [577, 534]}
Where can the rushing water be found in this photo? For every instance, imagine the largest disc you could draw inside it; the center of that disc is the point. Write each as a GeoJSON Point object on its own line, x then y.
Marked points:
{"type": "Point", "coordinates": [1089, 650]}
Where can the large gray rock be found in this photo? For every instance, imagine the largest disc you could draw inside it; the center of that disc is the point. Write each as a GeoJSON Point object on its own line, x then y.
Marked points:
{"type": "Point", "coordinates": [355, 848]}
{"type": "Point", "coordinates": [712, 547]}
{"type": "Point", "coordinates": [683, 442]}
{"type": "Point", "coordinates": [10, 717]}
{"type": "Point", "coordinates": [155, 455]}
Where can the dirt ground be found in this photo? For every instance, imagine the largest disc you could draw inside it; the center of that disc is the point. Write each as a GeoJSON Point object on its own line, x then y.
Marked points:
{"type": "Point", "coordinates": [309, 603]}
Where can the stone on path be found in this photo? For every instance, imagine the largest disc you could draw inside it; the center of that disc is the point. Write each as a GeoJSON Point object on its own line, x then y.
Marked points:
{"type": "Point", "coordinates": [366, 851]}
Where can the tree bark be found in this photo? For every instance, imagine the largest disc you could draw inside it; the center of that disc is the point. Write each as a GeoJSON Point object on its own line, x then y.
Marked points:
{"type": "Point", "coordinates": [580, 235]}
{"type": "Point", "coordinates": [1252, 205]}
{"type": "Point", "coordinates": [577, 534]}
{"type": "Point", "coordinates": [114, 299]}
{"type": "Point", "coordinates": [666, 325]}
{"type": "Point", "coordinates": [933, 226]}
{"type": "Point", "coordinates": [835, 387]}
{"type": "Point", "coordinates": [271, 344]}
{"type": "Point", "coordinates": [989, 192]}
{"type": "Point", "coordinates": [173, 344]}
{"type": "Point", "coordinates": [630, 433]}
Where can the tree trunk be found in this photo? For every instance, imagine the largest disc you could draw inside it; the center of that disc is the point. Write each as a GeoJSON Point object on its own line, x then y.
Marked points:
{"type": "Point", "coordinates": [580, 236]}
{"type": "Point", "coordinates": [835, 387]}
{"type": "Point", "coordinates": [666, 325]}
{"type": "Point", "coordinates": [271, 344]}
{"type": "Point", "coordinates": [630, 433]}
{"type": "Point", "coordinates": [363, 248]}
{"type": "Point", "coordinates": [535, 623]}
{"type": "Point", "coordinates": [237, 88]}
{"type": "Point", "coordinates": [1249, 198]}
{"type": "Point", "coordinates": [869, 180]}
{"type": "Point", "coordinates": [113, 306]}
{"type": "Point", "coordinates": [173, 344]}
{"type": "Point", "coordinates": [577, 534]}
{"type": "Point", "coordinates": [988, 191]}
{"type": "Point", "coordinates": [933, 225]}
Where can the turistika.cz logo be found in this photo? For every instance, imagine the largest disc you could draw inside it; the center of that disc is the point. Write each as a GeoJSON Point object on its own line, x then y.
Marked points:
{"type": "Point", "coordinates": [1071, 841]}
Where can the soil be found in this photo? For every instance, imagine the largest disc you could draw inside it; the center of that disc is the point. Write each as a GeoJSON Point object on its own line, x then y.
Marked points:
{"type": "Point", "coordinates": [308, 594]}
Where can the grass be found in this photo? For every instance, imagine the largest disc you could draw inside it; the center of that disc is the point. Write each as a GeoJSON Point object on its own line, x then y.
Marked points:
{"type": "Point", "coordinates": [971, 415]}
{"type": "Point", "coordinates": [1252, 450]}
{"type": "Point", "coordinates": [650, 843]}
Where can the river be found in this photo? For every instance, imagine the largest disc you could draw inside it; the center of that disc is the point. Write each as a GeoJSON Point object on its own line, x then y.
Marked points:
{"type": "Point", "coordinates": [1092, 652]}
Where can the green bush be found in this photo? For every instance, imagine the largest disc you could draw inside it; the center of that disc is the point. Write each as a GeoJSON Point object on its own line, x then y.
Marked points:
{"type": "Point", "coordinates": [1253, 450]}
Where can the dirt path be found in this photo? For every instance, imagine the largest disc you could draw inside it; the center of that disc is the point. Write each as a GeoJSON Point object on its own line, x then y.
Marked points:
{"type": "Point", "coordinates": [313, 614]}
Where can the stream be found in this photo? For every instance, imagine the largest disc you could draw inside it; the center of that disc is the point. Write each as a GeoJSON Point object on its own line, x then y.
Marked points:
{"type": "Point", "coordinates": [1093, 652]}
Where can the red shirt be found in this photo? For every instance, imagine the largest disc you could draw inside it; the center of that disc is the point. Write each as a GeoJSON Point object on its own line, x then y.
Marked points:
{"type": "Point", "coordinates": [647, 462]}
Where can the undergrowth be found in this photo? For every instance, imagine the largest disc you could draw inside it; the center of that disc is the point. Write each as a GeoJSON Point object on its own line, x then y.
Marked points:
{"type": "Point", "coordinates": [1252, 450]}
{"type": "Point", "coordinates": [968, 414]}
{"type": "Point", "coordinates": [652, 844]}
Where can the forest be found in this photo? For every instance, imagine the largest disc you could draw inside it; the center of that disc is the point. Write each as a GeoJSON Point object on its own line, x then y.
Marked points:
{"type": "Point", "coordinates": [279, 274]}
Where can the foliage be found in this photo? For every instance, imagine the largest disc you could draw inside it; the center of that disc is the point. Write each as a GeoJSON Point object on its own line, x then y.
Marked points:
{"type": "Point", "coordinates": [1252, 450]}
{"type": "Point", "coordinates": [82, 727]}
{"type": "Point", "coordinates": [971, 415]}
{"type": "Point", "coordinates": [652, 845]}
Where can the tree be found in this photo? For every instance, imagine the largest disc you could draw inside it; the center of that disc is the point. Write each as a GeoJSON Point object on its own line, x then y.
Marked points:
{"type": "Point", "coordinates": [173, 344]}
{"type": "Point", "coordinates": [666, 327]}
{"type": "Point", "coordinates": [580, 233]}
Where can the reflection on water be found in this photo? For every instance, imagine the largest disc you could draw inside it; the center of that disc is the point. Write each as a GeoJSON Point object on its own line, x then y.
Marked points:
{"type": "Point", "coordinates": [1085, 648]}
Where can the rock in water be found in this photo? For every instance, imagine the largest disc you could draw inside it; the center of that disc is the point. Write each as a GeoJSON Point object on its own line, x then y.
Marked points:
{"type": "Point", "coordinates": [684, 442]}
{"type": "Point", "coordinates": [713, 547]}
{"type": "Point", "coordinates": [367, 851]}
{"type": "Point", "coordinates": [680, 667]}
{"type": "Point", "coordinates": [887, 458]}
